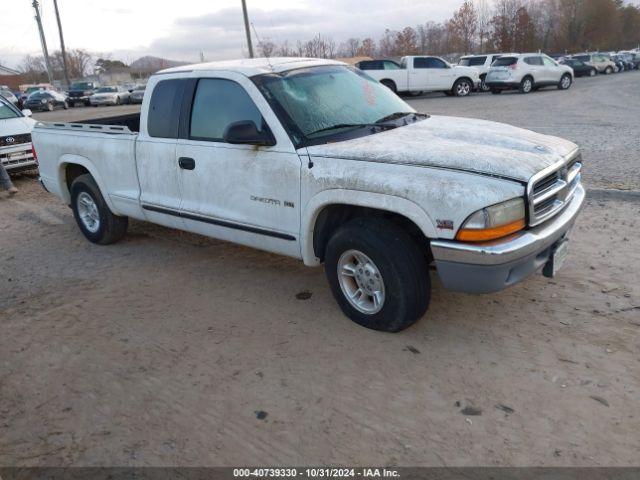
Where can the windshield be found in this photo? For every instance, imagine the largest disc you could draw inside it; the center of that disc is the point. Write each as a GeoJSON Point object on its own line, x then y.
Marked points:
{"type": "Point", "coordinates": [311, 100]}
{"type": "Point", "coordinates": [106, 90]}
{"type": "Point", "coordinates": [81, 86]}
{"type": "Point", "coordinates": [7, 111]}
{"type": "Point", "coordinates": [39, 94]}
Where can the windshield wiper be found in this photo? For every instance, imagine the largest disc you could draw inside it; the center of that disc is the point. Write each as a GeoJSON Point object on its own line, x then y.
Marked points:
{"type": "Point", "coordinates": [397, 115]}
{"type": "Point", "coordinates": [354, 125]}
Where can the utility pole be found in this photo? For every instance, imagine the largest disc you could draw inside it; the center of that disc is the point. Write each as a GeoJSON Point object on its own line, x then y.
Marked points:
{"type": "Point", "coordinates": [43, 41]}
{"type": "Point", "coordinates": [246, 27]}
{"type": "Point", "coordinates": [62, 47]}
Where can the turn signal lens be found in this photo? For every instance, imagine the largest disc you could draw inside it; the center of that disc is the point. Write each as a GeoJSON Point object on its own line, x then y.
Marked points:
{"type": "Point", "coordinates": [494, 222]}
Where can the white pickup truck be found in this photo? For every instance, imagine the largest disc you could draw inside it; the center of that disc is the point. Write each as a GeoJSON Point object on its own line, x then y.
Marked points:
{"type": "Point", "coordinates": [315, 160]}
{"type": "Point", "coordinates": [427, 74]}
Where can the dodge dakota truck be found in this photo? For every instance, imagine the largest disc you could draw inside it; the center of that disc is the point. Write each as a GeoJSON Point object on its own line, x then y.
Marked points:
{"type": "Point", "coordinates": [315, 160]}
{"type": "Point", "coordinates": [427, 74]}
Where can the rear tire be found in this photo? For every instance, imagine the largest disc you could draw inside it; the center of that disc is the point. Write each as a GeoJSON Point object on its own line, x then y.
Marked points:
{"type": "Point", "coordinates": [97, 223]}
{"type": "Point", "coordinates": [526, 85]}
{"type": "Point", "coordinates": [380, 260]}
{"type": "Point", "coordinates": [390, 85]}
{"type": "Point", "coordinates": [483, 85]}
{"type": "Point", "coordinates": [608, 71]}
{"type": "Point", "coordinates": [66, 106]}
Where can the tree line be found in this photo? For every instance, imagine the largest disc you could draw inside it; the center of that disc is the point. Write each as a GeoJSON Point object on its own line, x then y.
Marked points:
{"type": "Point", "coordinates": [477, 26]}
{"type": "Point", "coordinates": [480, 26]}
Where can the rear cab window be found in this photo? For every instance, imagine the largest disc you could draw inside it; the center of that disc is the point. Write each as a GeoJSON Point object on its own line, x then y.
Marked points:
{"type": "Point", "coordinates": [164, 108]}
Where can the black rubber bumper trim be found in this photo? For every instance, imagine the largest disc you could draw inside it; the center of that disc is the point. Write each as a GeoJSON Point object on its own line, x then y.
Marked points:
{"type": "Point", "coordinates": [220, 223]}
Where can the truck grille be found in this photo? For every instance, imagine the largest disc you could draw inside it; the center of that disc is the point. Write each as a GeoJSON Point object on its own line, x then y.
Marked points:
{"type": "Point", "coordinates": [13, 140]}
{"type": "Point", "coordinates": [550, 191]}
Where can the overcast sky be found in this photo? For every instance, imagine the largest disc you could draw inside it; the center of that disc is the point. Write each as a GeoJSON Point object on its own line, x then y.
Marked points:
{"type": "Point", "coordinates": [180, 30]}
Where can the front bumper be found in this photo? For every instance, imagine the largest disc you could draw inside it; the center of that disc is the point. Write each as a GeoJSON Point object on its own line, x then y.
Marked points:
{"type": "Point", "coordinates": [95, 101]}
{"type": "Point", "coordinates": [494, 266]}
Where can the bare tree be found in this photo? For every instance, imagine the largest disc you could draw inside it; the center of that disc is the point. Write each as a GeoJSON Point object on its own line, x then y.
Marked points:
{"type": "Point", "coordinates": [483, 14]}
{"type": "Point", "coordinates": [266, 48]}
{"type": "Point", "coordinates": [463, 27]}
{"type": "Point", "coordinates": [368, 48]}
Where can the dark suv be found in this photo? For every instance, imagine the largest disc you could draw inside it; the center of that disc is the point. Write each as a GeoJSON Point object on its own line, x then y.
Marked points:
{"type": "Point", "coordinates": [79, 92]}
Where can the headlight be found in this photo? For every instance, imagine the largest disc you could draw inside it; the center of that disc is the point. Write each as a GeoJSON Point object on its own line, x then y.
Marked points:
{"type": "Point", "coordinates": [43, 101]}
{"type": "Point", "coordinates": [494, 222]}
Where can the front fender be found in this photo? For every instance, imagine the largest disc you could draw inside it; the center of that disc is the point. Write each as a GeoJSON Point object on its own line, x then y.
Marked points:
{"type": "Point", "coordinates": [318, 202]}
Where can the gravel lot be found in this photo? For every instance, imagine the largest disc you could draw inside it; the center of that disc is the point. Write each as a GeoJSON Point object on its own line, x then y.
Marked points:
{"type": "Point", "coordinates": [174, 349]}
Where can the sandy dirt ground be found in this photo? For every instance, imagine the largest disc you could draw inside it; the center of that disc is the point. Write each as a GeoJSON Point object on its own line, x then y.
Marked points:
{"type": "Point", "coordinates": [173, 349]}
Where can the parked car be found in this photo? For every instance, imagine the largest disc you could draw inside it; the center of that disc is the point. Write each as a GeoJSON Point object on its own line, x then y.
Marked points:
{"type": "Point", "coordinates": [315, 160]}
{"type": "Point", "coordinates": [633, 59]}
{"type": "Point", "coordinates": [621, 65]}
{"type": "Point", "coordinates": [428, 74]}
{"type": "Point", "coordinates": [80, 92]}
{"type": "Point", "coordinates": [16, 151]}
{"type": "Point", "coordinates": [580, 69]}
{"type": "Point", "coordinates": [46, 100]}
{"type": "Point", "coordinates": [482, 63]}
{"type": "Point", "coordinates": [112, 95]}
{"type": "Point", "coordinates": [627, 59]}
{"type": "Point", "coordinates": [138, 94]}
{"type": "Point", "coordinates": [527, 72]}
{"type": "Point", "coordinates": [600, 61]}
{"type": "Point", "coordinates": [6, 93]}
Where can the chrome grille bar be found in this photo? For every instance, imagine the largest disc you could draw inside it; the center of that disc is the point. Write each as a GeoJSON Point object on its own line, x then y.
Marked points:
{"type": "Point", "coordinates": [550, 190]}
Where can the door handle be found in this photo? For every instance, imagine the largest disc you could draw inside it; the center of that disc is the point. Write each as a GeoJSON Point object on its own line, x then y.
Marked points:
{"type": "Point", "coordinates": [187, 163]}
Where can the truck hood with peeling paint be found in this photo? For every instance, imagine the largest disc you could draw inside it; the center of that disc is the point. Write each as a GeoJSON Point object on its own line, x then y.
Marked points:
{"type": "Point", "coordinates": [472, 145]}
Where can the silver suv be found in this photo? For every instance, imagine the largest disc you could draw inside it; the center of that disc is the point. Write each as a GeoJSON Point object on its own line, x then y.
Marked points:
{"type": "Point", "coordinates": [526, 72]}
{"type": "Point", "coordinates": [482, 63]}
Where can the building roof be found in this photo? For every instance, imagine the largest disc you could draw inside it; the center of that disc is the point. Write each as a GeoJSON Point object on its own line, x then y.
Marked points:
{"type": "Point", "coordinates": [255, 66]}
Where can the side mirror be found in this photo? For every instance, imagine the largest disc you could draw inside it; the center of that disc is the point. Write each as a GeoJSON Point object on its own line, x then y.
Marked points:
{"type": "Point", "coordinates": [26, 112]}
{"type": "Point", "coordinates": [246, 132]}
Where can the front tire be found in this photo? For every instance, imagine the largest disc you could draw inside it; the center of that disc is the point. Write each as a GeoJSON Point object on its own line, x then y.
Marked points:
{"type": "Point", "coordinates": [378, 274]}
{"type": "Point", "coordinates": [565, 82]}
{"type": "Point", "coordinates": [97, 223]}
{"type": "Point", "coordinates": [593, 72]}
{"type": "Point", "coordinates": [462, 88]}
{"type": "Point", "coordinates": [608, 71]}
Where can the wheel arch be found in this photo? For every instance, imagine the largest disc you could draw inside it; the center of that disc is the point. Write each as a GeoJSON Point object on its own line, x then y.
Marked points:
{"type": "Point", "coordinates": [71, 167]}
{"type": "Point", "coordinates": [386, 81]}
{"type": "Point", "coordinates": [329, 209]}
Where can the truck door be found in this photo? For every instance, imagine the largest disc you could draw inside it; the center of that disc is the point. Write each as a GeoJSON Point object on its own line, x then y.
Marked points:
{"type": "Point", "coordinates": [156, 153]}
{"type": "Point", "coordinates": [241, 193]}
{"type": "Point", "coordinates": [433, 73]}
